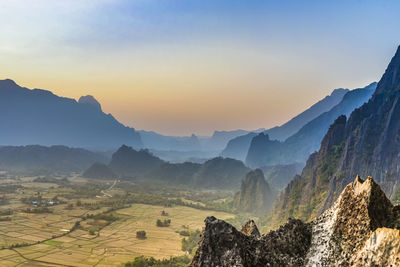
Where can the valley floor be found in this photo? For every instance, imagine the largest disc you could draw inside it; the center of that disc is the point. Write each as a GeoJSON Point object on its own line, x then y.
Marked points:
{"type": "Point", "coordinates": [72, 237]}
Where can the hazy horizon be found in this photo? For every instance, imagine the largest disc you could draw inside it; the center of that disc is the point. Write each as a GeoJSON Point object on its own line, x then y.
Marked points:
{"type": "Point", "coordinates": [196, 67]}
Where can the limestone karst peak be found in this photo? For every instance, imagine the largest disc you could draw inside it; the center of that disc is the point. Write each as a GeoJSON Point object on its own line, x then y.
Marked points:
{"type": "Point", "coordinates": [250, 229]}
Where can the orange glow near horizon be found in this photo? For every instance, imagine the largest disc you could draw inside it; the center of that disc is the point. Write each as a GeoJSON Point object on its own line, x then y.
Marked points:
{"type": "Point", "coordinates": [197, 66]}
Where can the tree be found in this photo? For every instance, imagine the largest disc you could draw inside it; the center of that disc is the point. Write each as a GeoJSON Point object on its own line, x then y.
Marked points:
{"type": "Point", "coordinates": [141, 234]}
{"type": "Point", "coordinates": [163, 213]}
{"type": "Point", "coordinates": [164, 223]}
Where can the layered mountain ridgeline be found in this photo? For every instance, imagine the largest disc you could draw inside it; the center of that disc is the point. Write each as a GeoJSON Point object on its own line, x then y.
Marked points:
{"type": "Point", "coordinates": [360, 229]}
{"type": "Point", "coordinates": [175, 156]}
{"type": "Point", "coordinates": [291, 127]}
{"type": "Point", "coordinates": [41, 160]}
{"type": "Point", "coordinates": [223, 173]}
{"type": "Point", "coordinates": [153, 140]}
{"type": "Point", "coordinates": [40, 117]}
{"type": "Point", "coordinates": [278, 176]}
{"type": "Point", "coordinates": [367, 143]}
{"type": "Point", "coordinates": [264, 151]}
{"type": "Point", "coordinates": [219, 139]}
{"type": "Point", "coordinates": [99, 171]}
{"type": "Point", "coordinates": [218, 173]}
{"type": "Point", "coordinates": [255, 195]}
{"type": "Point", "coordinates": [238, 147]}
{"type": "Point", "coordinates": [129, 162]}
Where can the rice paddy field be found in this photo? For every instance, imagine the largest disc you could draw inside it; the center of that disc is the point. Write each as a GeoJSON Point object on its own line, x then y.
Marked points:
{"type": "Point", "coordinates": [87, 225]}
{"type": "Point", "coordinates": [114, 244]}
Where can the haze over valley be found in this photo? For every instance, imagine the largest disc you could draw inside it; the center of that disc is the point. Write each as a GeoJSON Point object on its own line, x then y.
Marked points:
{"type": "Point", "coordinates": [199, 133]}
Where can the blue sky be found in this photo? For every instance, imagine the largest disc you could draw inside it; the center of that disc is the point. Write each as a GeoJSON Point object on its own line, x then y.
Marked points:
{"type": "Point", "coordinates": [179, 67]}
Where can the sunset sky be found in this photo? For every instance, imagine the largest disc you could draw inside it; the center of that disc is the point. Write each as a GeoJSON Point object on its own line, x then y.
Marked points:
{"type": "Point", "coordinates": [195, 66]}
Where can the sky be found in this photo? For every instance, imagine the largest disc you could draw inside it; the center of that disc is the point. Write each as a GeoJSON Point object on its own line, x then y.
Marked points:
{"type": "Point", "coordinates": [181, 67]}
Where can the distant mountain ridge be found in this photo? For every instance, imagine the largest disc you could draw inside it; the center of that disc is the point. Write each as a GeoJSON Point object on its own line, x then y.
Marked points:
{"type": "Point", "coordinates": [128, 163]}
{"type": "Point", "coordinates": [153, 140]}
{"type": "Point", "coordinates": [286, 130]}
{"type": "Point", "coordinates": [265, 151]}
{"type": "Point", "coordinates": [367, 143]}
{"type": "Point", "coordinates": [41, 117]}
{"type": "Point", "coordinates": [238, 147]}
{"type": "Point", "coordinates": [41, 160]}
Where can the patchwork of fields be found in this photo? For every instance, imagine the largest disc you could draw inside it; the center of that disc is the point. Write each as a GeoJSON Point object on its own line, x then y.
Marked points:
{"type": "Point", "coordinates": [114, 244]}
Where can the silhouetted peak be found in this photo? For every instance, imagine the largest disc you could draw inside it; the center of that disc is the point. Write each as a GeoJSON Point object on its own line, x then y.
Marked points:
{"type": "Point", "coordinates": [90, 101]}
{"type": "Point", "coordinates": [391, 78]}
{"type": "Point", "coordinates": [8, 82]}
{"type": "Point", "coordinates": [263, 135]}
{"type": "Point", "coordinates": [339, 91]}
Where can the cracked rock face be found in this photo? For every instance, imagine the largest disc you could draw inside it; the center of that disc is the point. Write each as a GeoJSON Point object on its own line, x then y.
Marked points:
{"type": "Point", "coordinates": [360, 229]}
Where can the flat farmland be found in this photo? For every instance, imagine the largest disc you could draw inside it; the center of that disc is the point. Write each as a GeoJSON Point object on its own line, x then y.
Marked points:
{"type": "Point", "coordinates": [115, 243]}
{"type": "Point", "coordinates": [29, 228]}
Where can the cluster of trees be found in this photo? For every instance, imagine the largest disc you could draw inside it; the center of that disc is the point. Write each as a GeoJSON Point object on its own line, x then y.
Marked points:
{"type": "Point", "coordinates": [143, 261]}
{"type": "Point", "coordinates": [52, 180]}
{"type": "Point", "coordinates": [189, 244]}
{"type": "Point", "coordinates": [5, 219]}
{"type": "Point", "coordinates": [141, 234]}
{"type": "Point", "coordinates": [164, 223]}
{"type": "Point", "coordinates": [38, 210]}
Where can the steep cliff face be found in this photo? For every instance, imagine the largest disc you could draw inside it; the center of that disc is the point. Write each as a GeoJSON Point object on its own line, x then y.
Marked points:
{"type": "Point", "coordinates": [368, 143]}
{"type": "Point", "coordinates": [360, 229]}
{"type": "Point", "coordinates": [255, 195]}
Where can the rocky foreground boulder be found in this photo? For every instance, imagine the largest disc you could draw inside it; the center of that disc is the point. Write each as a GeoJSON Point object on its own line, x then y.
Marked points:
{"type": "Point", "coordinates": [360, 229]}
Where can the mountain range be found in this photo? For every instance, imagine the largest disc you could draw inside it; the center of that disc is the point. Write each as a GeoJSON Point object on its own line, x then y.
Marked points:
{"type": "Point", "coordinates": [238, 147]}
{"type": "Point", "coordinates": [40, 117]}
{"type": "Point", "coordinates": [264, 151]}
{"type": "Point", "coordinates": [128, 163]}
{"type": "Point", "coordinates": [367, 143]}
{"type": "Point", "coordinates": [41, 160]}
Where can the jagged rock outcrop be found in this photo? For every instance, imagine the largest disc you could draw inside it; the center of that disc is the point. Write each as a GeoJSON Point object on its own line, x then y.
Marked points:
{"type": "Point", "coordinates": [222, 245]}
{"type": "Point", "coordinates": [255, 195]}
{"type": "Point", "coordinates": [360, 229]}
{"type": "Point", "coordinates": [368, 143]}
{"type": "Point", "coordinates": [250, 229]}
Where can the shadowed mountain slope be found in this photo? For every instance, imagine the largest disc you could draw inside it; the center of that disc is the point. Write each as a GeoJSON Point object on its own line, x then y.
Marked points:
{"type": "Point", "coordinates": [238, 147]}
{"type": "Point", "coordinates": [367, 143]}
{"type": "Point", "coordinates": [265, 151]}
{"type": "Point", "coordinates": [40, 117]}
{"type": "Point", "coordinates": [255, 195]}
{"type": "Point", "coordinates": [39, 160]}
